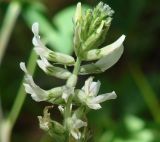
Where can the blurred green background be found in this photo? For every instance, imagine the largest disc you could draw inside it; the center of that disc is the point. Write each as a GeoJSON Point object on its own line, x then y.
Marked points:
{"type": "Point", "coordinates": [135, 115]}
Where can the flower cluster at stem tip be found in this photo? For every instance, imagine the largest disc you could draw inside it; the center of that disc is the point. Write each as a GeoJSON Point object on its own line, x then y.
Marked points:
{"type": "Point", "coordinates": [90, 29]}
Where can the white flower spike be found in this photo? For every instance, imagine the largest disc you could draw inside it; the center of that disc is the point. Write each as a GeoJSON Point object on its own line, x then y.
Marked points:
{"type": "Point", "coordinates": [90, 29]}
{"type": "Point", "coordinates": [88, 94]}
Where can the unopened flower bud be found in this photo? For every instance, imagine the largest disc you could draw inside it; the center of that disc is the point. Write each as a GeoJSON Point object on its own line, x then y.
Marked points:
{"type": "Point", "coordinates": [78, 13]}
{"type": "Point", "coordinates": [90, 32]}
{"type": "Point", "coordinates": [54, 56]}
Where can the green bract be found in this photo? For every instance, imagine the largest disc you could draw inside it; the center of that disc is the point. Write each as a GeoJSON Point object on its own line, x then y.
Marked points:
{"type": "Point", "coordinates": [90, 29]}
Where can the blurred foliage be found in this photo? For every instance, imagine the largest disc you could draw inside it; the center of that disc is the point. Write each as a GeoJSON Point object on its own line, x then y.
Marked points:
{"type": "Point", "coordinates": [129, 118]}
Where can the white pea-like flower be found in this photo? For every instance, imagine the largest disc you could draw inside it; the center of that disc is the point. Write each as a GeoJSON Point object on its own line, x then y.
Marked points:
{"type": "Point", "coordinates": [106, 56]}
{"type": "Point", "coordinates": [37, 93]}
{"type": "Point", "coordinates": [44, 52]}
{"type": "Point", "coordinates": [88, 94]}
{"type": "Point", "coordinates": [74, 124]}
{"type": "Point", "coordinates": [53, 70]}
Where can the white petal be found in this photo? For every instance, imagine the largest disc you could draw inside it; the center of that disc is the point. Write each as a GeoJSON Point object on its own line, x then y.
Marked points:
{"type": "Point", "coordinates": [35, 28]}
{"type": "Point", "coordinates": [96, 54]}
{"type": "Point", "coordinates": [76, 134]}
{"type": "Point", "coordinates": [87, 85]}
{"type": "Point", "coordinates": [67, 91]}
{"type": "Point", "coordinates": [94, 88]}
{"type": "Point", "coordinates": [35, 42]}
{"type": "Point", "coordinates": [23, 67]}
{"type": "Point", "coordinates": [94, 106]}
{"type": "Point", "coordinates": [79, 123]}
{"type": "Point", "coordinates": [74, 125]}
{"type": "Point", "coordinates": [36, 92]}
{"type": "Point", "coordinates": [104, 97]}
{"type": "Point", "coordinates": [61, 108]}
{"type": "Point", "coordinates": [113, 55]}
{"type": "Point", "coordinates": [42, 52]}
{"type": "Point", "coordinates": [49, 69]}
{"type": "Point", "coordinates": [36, 39]}
{"type": "Point", "coordinates": [43, 64]}
{"type": "Point", "coordinates": [28, 88]}
{"type": "Point", "coordinates": [81, 95]}
{"type": "Point", "coordinates": [65, 96]}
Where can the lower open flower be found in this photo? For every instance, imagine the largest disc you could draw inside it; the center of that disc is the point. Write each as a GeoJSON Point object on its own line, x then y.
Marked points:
{"type": "Point", "coordinates": [88, 94]}
{"type": "Point", "coordinates": [74, 124]}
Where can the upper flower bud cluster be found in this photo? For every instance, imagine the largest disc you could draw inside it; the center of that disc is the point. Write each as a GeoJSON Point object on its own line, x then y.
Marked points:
{"type": "Point", "coordinates": [91, 27]}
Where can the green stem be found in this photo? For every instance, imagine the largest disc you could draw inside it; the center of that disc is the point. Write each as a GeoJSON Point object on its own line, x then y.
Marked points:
{"type": "Point", "coordinates": [7, 26]}
{"type": "Point", "coordinates": [67, 112]}
{"type": "Point", "coordinates": [77, 66]}
{"type": "Point", "coordinates": [75, 72]}
{"type": "Point", "coordinates": [147, 91]}
{"type": "Point", "coordinates": [18, 103]}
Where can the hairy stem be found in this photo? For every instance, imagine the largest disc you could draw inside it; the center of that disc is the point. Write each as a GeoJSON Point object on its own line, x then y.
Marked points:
{"type": "Point", "coordinates": [77, 66]}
